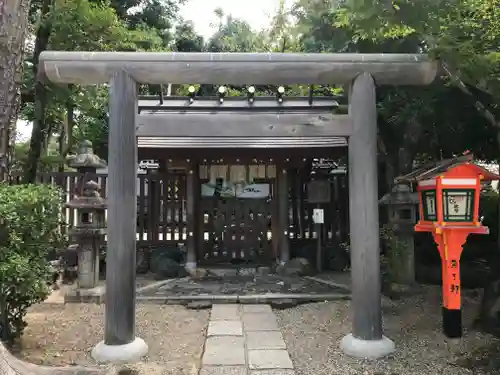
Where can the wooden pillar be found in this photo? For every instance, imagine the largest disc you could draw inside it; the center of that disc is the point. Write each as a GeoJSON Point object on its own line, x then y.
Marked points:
{"type": "Point", "coordinates": [200, 240]}
{"type": "Point", "coordinates": [282, 196]}
{"type": "Point", "coordinates": [193, 211]}
{"type": "Point", "coordinates": [275, 220]}
{"type": "Point", "coordinates": [153, 204]}
{"type": "Point", "coordinates": [366, 339]}
{"type": "Point", "coordinates": [120, 342]}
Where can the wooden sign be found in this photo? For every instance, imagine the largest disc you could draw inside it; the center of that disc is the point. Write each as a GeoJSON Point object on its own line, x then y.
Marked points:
{"type": "Point", "coordinates": [318, 216]}
{"type": "Point", "coordinates": [230, 190]}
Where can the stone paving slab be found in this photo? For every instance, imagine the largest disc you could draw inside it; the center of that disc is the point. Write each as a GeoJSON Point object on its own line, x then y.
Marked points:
{"type": "Point", "coordinates": [269, 360]}
{"type": "Point", "coordinates": [257, 309]}
{"type": "Point", "coordinates": [245, 340]}
{"type": "Point", "coordinates": [260, 322]}
{"type": "Point", "coordinates": [265, 340]}
{"type": "Point", "coordinates": [225, 312]}
{"type": "Point", "coordinates": [224, 351]}
{"type": "Point", "coordinates": [225, 328]}
{"type": "Point", "coordinates": [226, 370]}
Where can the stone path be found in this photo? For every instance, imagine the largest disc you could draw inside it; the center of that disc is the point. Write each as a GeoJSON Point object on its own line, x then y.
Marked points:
{"type": "Point", "coordinates": [244, 340]}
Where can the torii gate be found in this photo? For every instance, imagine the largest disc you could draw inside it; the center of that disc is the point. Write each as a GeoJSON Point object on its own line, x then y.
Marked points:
{"type": "Point", "coordinates": [124, 70]}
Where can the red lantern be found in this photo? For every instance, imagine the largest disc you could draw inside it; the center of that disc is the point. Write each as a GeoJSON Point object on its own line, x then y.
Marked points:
{"type": "Point", "coordinates": [449, 209]}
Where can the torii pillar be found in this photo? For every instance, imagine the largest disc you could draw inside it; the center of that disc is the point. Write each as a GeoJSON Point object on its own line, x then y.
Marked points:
{"type": "Point", "coordinates": [120, 345]}
{"type": "Point", "coordinates": [366, 339]}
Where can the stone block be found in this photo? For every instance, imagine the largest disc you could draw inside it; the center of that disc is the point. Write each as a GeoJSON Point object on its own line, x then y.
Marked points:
{"type": "Point", "coordinates": [272, 372]}
{"type": "Point", "coordinates": [93, 295]}
{"type": "Point", "coordinates": [247, 271]}
{"type": "Point", "coordinates": [269, 360]}
{"type": "Point", "coordinates": [224, 351]}
{"type": "Point", "coordinates": [224, 272]}
{"type": "Point", "coordinates": [265, 340]}
{"type": "Point", "coordinates": [260, 322]}
{"type": "Point", "coordinates": [264, 271]}
{"type": "Point", "coordinates": [257, 309]}
{"type": "Point", "coordinates": [224, 370]}
{"type": "Point", "coordinates": [225, 312]}
{"type": "Point", "coordinates": [225, 328]}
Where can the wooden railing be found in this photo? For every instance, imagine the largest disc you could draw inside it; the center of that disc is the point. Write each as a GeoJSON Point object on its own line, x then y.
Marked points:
{"type": "Point", "coordinates": [161, 205]}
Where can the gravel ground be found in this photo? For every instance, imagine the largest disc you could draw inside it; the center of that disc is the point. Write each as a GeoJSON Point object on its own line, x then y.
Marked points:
{"type": "Point", "coordinates": [64, 335]}
{"type": "Point", "coordinates": [313, 332]}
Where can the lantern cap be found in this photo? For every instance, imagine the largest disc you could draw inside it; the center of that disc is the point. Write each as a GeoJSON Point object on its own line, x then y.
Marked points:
{"type": "Point", "coordinates": [444, 167]}
{"type": "Point", "coordinates": [401, 194]}
{"type": "Point", "coordinates": [85, 158]}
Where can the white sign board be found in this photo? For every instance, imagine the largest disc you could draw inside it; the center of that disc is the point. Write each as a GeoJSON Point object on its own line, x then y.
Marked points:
{"type": "Point", "coordinates": [318, 216]}
{"type": "Point", "coordinates": [252, 191]}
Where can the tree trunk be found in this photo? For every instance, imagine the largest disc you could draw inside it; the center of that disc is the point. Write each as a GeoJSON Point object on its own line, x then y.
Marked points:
{"type": "Point", "coordinates": [13, 23]}
{"type": "Point", "coordinates": [39, 132]}
{"type": "Point", "coordinates": [66, 136]}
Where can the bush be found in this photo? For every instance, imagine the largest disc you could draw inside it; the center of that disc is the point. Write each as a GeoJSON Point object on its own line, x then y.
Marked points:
{"type": "Point", "coordinates": [29, 230]}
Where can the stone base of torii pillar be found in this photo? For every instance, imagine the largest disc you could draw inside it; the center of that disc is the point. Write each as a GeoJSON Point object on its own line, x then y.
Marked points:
{"type": "Point", "coordinates": [369, 349]}
{"type": "Point", "coordinates": [128, 353]}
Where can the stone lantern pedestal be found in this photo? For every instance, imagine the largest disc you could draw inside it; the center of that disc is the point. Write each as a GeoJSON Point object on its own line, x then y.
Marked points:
{"type": "Point", "coordinates": [90, 228]}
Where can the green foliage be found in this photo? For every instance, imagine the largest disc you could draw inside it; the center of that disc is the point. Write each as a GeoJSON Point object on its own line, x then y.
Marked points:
{"type": "Point", "coordinates": [236, 35]}
{"type": "Point", "coordinates": [88, 25]}
{"type": "Point", "coordinates": [186, 39]}
{"type": "Point", "coordinates": [80, 25]}
{"type": "Point", "coordinates": [416, 122]}
{"type": "Point", "coordinates": [29, 230]}
{"type": "Point", "coordinates": [463, 33]}
{"type": "Point", "coordinates": [48, 162]}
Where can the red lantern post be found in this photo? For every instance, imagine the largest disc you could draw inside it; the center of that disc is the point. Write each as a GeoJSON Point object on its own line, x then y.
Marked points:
{"type": "Point", "coordinates": [449, 209]}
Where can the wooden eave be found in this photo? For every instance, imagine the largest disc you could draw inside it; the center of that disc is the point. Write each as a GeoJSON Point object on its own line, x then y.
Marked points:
{"type": "Point", "coordinates": [260, 103]}
{"type": "Point", "coordinates": [236, 123]}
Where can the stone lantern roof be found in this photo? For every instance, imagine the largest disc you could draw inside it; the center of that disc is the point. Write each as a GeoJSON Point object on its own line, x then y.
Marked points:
{"type": "Point", "coordinates": [85, 158]}
{"type": "Point", "coordinates": [401, 194]}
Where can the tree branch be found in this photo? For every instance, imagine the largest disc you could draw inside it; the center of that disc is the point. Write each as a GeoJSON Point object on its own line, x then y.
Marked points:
{"type": "Point", "coordinates": [481, 108]}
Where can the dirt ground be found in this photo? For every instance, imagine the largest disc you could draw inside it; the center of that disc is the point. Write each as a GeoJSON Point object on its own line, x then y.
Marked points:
{"type": "Point", "coordinates": [59, 334]}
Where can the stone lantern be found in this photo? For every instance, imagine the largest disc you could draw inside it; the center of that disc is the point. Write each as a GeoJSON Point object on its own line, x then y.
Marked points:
{"type": "Point", "coordinates": [402, 204]}
{"type": "Point", "coordinates": [90, 227]}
